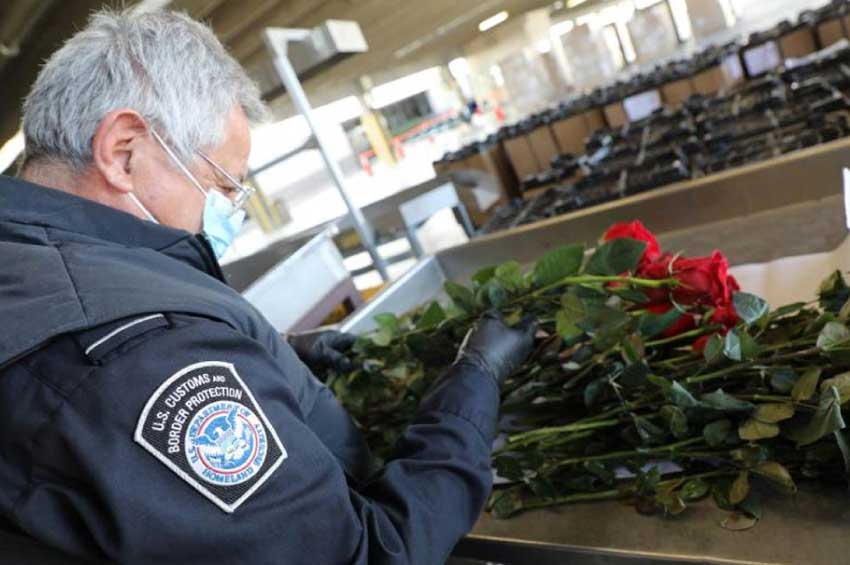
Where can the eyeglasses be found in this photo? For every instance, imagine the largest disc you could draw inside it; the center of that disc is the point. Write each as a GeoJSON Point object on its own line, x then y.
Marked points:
{"type": "Point", "coordinates": [243, 193]}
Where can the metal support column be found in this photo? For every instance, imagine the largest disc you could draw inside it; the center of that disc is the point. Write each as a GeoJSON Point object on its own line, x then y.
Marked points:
{"type": "Point", "coordinates": [299, 99]}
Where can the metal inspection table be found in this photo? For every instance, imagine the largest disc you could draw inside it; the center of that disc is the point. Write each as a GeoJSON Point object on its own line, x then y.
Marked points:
{"type": "Point", "coordinates": [790, 206]}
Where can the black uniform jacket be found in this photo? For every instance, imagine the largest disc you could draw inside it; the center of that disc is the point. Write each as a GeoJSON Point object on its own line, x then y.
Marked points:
{"type": "Point", "coordinates": [149, 414]}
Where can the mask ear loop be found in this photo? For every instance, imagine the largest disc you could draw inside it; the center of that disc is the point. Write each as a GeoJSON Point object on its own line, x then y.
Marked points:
{"type": "Point", "coordinates": [142, 208]}
{"type": "Point", "coordinates": [179, 163]}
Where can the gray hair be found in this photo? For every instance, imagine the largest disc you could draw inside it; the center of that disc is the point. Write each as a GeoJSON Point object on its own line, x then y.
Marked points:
{"type": "Point", "coordinates": [165, 65]}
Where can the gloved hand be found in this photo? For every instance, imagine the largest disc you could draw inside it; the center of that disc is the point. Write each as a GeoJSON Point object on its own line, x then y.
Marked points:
{"type": "Point", "coordinates": [323, 349]}
{"type": "Point", "coordinates": [495, 348]}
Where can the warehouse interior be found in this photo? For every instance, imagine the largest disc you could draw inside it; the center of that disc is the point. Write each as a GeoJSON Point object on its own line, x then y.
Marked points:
{"type": "Point", "coordinates": [435, 139]}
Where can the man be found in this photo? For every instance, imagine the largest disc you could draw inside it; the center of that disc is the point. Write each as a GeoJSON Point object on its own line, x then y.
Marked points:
{"type": "Point", "coordinates": [149, 414]}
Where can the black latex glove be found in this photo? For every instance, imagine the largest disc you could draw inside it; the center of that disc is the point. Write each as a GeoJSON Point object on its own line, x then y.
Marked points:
{"type": "Point", "coordinates": [324, 349]}
{"type": "Point", "coordinates": [495, 348]}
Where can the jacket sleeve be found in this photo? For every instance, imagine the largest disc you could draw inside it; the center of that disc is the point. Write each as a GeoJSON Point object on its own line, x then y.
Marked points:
{"type": "Point", "coordinates": [190, 445]}
{"type": "Point", "coordinates": [323, 413]}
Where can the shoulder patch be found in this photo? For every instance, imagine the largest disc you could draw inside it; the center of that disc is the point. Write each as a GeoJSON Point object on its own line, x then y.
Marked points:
{"type": "Point", "coordinates": [205, 425]}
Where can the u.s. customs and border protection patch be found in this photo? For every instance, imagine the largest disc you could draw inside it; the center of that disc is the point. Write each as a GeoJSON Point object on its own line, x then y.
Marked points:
{"type": "Point", "coordinates": [205, 425]}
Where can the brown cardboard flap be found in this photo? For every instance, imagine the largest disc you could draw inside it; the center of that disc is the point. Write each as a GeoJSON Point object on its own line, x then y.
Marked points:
{"type": "Point", "coordinates": [830, 32]}
{"type": "Point", "coordinates": [595, 119]}
{"type": "Point", "coordinates": [615, 115]}
{"type": "Point", "coordinates": [676, 92]}
{"type": "Point", "coordinates": [521, 156]}
{"type": "Point", "coordinates": [709, 81]}
{"type": "Point", "coordinates": [544, 146]}
{"type": "Point", "coordinates": [798, 43]}
{"type": "Point", "coordinates": [570, 134]}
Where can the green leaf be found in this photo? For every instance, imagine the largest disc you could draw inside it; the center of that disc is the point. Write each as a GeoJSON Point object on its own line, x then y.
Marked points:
{"type": "Point", "coordinates": [631, 295]}
{"type": "Point", "coordinates": [431, 317]}
{"type": "Point", "coordinates": [462, 297]}
{"type": "Point", "coordinates": [832, 336]}
{"type": "Point", "coordinates": [600, 318]}
{"type": "Point", "coordinates": [694, 489]}
{"type": "Point", "coordinates": [616, 257]}
{"type": "Point", "coordinates": [647, 481]}
{"type": "Point", "coordinates": [671, 503]}
{"type": "Point", "coordinates": [740, 488]}
{"type": "Point", "coordinates": [568, 316]}
{"type": "Point", "coordinates": [732, 346]}
{"type": "Point", "coordinates": [506, 503]}
{"type": "Point", "coordinates": [594, 391]}
{"type": "Point", "coordinates": [805, 388]}
{"type": "Point", "coordinates": [713, 349]}
{"type": "Point", "coordinates": [774, 412]}
{"type": "Point", "coordinates": [749, 307]}
{"type": "Point", "coordinates": [842, 383]}
{"type": "Point", "coordinates": [715, 433]}
{"type": "Point", "coordinates": [676, 420]}
{"type": "Point", "coordinates": [749, 347]}
{"type": "Point", "coordinates": [497, 294]}
{"type": "Point", "coordinates": [833, 293]}
{"type": "Point", "coordinates": [827, 419]}
{"type": "Point", "coordinates": [648, 432]}
{"type": "Point", "coordinates": [738, 522]}
{"type": "Point", "coordinates": [484, 275]}
{"type": "Point", "coordinates": [387, 329]}
{"type": "Point", "coordinates": [633, 349]}
{"type": "Point", "coordinates": [510, 275]}
{"type": "Point", "coordinates": [651, 325]}
{"type": "Point", "coordinates": [753, 430]}
{"type": "Point", "coordinates": [719, 400]}
{"type": "Point", "coordinates": [558, 264]}
{"type": "Point", "coordinates": [788, 309]}
{"type": "Point", "coordinates": [750, 455]}
{"type": "Point", "coordinates": [777, 474]}
{"type": "Point", "coordinates": [681, 396]}
{"type": "Point", "coordinates": [782, 380]}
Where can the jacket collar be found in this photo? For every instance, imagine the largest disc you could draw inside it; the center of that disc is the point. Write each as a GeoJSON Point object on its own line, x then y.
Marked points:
{"type": "Point", "coordinates": [32, 204]}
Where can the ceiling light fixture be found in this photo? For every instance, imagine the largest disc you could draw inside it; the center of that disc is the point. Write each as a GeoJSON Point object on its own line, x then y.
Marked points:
{"type": "Point", "coordinates": [493, 21]}
{"type": "Point", "coordinates": [574, 3]}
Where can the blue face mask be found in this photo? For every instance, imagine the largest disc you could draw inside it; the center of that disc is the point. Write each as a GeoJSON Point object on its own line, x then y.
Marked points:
{"type": "Point", "coordinates": [220, 222]}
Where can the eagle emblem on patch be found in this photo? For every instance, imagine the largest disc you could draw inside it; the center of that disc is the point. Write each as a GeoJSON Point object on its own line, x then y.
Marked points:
{"type": "Point", "coordinates": [205, 425]}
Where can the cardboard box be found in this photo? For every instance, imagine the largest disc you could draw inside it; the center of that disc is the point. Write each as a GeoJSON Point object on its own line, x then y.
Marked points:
{"type": "Point", "coordinates": [676, 92]}
{"type": "Point", "coordinates": [521, 156]}
{"type": "Point", "coordinates": [798, 43]}
{"type": "Point", "coordinates": [830, 31]}
{"type": "Point", "coordinates": [544, 146]}
{"type": "Point", "coordinates": [570, 133]}
{"type": "Point", "coordinates": [595, 120]}
{"type": "Point", "coordinates": [615, 115]}
{"type": "Point", "coordinates": [709, 82]}
{"type": "Point", "coordinates": [494, 161]}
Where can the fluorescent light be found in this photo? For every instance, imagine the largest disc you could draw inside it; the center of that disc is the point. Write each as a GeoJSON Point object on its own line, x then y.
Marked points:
{"type": "Point", "coordinates": [574, 3]}
{"type": "Point", "coordinates": [493, 21]}
{"type": "Point", "coordinates": [11, 150]}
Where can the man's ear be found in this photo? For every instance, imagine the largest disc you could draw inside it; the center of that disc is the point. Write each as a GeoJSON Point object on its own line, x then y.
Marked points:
{"type": "Point", "coordinates": [119, 134]}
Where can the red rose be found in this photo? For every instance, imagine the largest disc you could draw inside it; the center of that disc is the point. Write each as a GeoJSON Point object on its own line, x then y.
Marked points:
{"type": "Point", "coordinates": [635, 230]}
{"type": "Point", "coordinates": [656, 270]}
{"type": "Point", "coordinates": [705, 280]}
{"type": "Point", "coordinates": [699, 344]}
{"type": "Point", "coordinates": [725, 315]}
{"type": "Point", "coordinates": [684, 323]}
